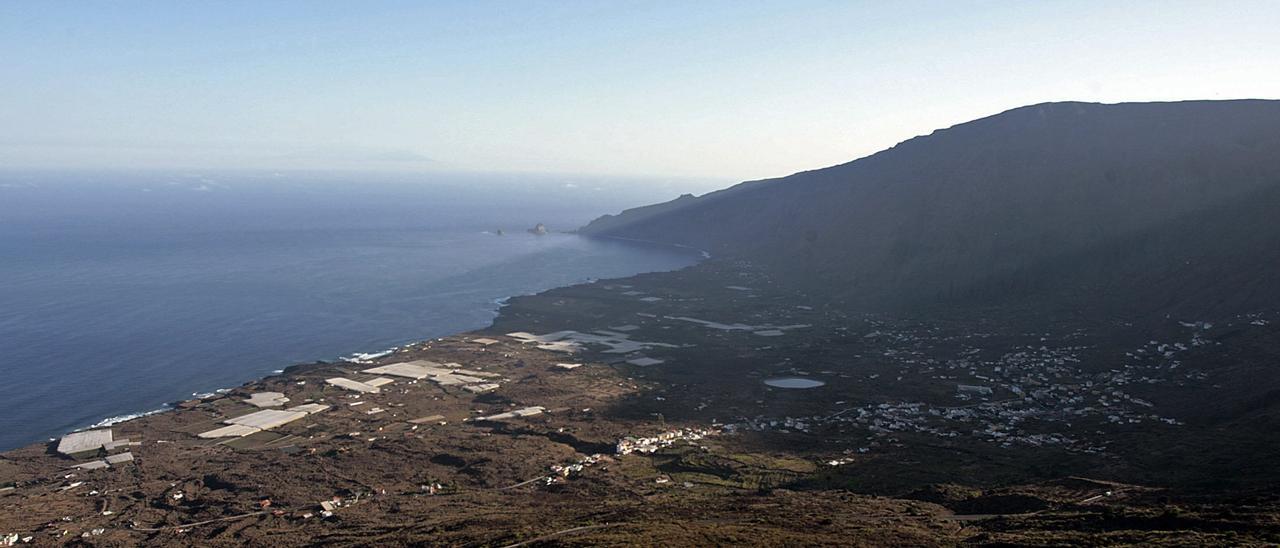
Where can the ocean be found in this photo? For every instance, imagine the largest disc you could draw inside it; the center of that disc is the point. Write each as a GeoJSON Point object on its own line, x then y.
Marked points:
{"type": "Point", "coordinates": [120, 293]}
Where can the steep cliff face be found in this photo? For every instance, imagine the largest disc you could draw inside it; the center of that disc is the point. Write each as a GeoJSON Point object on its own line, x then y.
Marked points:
{"type": "Point", "coordinates": [1132, 208]}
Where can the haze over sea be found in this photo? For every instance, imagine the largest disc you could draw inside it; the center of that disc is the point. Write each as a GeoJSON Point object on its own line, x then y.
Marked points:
{"type": "Point", "coordinates": [120, 293]}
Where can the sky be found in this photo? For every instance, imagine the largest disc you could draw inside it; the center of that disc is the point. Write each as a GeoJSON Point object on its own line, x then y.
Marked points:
{"type": "Point", "coordinates": [732, 90]}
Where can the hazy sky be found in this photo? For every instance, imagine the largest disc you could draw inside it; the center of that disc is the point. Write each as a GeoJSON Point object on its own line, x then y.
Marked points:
{"type": "Point", "coordinates": [733, 90]}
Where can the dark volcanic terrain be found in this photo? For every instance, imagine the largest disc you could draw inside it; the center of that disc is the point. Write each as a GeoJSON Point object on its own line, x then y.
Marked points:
{"type": "Point", "coordinates": [1088, 434]}
{"type": "Point", "coordinates": [1055, 326]}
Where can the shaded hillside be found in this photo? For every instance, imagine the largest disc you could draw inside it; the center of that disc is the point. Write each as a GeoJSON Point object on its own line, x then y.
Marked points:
{"type": "Point", "coordinates": [1141, 207]}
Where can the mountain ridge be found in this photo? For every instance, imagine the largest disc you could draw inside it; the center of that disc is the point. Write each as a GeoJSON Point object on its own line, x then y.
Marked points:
{"type": "Point", "coordinates": [978, 212]}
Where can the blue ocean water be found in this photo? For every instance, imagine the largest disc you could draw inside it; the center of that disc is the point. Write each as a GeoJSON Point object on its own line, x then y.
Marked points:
{"type": "Point", "coordinates": [120, 294]}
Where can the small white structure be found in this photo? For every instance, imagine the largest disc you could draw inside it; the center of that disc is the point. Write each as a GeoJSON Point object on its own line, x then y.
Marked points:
{"type": "Point", "coordinates": [121, 458]}
{"type": "Point", "coordinates": [412, 370]}
{"type": "Point", "coordinates": [343, 382]}
{"type": "Point", "coordinates": [231, 431]}
{"type": "Point", "coordinates": [84, 442]}
{"type": "Point", "coordinates": [122, 442]}
{"type": "Point", "coordinates": [526, 412]}
{"type": "Point", "coordinates": [267, 399]}
{"type": "Point", "coordinates": [457, 368]}
{"type": "Point", "coordinates": [267, 419]}
{"type": "Point", "coordinates": [451, 379]}
{"type": "Point", "coordinates": [309, 408]}
{"type": "Point", "coordinates": [568, 366]}
{"type": "Point", "coordinates": [484, 341]}
{"type": "Point", "coordinates": [105, 463]}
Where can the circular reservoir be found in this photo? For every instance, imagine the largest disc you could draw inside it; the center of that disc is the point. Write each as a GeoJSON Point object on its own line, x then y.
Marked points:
{"type": "Point", "coordinates": [793, 382]}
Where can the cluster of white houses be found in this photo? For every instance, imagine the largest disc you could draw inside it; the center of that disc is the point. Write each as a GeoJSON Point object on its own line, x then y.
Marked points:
{"type": "Point", "coordinates": [631, 444]}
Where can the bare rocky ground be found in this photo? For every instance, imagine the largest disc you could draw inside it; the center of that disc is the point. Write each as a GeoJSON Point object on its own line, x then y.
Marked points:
{"type": "Point", "coordinates": [1123, 432]}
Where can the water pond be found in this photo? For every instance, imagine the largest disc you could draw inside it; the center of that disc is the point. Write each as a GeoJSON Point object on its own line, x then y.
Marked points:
{"type": "Point", "coordinates": [793, 382]}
